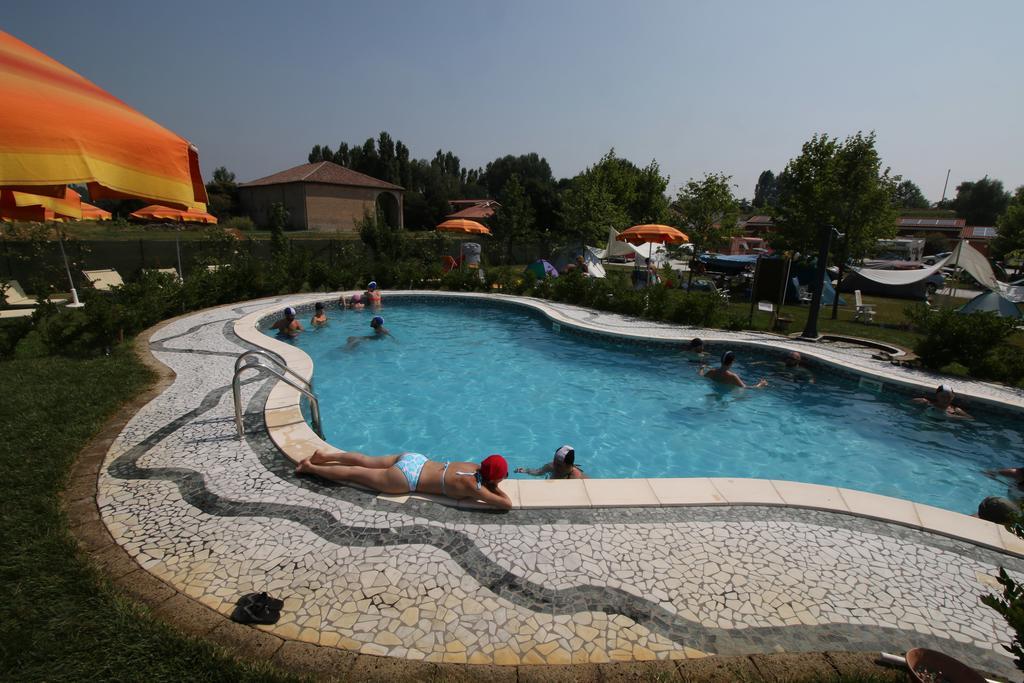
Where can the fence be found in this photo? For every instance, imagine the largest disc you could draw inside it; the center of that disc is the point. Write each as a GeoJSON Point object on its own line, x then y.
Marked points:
{"type": "Point", "coordinates": [41, 264]}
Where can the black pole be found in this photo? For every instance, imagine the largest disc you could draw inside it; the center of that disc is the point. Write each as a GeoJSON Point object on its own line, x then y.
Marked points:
{"type": "Point", "coordinates": [824, 244]}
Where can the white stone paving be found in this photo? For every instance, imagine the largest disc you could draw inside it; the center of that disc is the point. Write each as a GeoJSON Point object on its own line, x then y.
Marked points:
{"type": "Point", "coordinates": [417, 600]}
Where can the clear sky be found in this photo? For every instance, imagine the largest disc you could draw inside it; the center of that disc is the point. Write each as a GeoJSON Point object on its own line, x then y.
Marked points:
{"type": "Point", "coordinates": [698, 85]}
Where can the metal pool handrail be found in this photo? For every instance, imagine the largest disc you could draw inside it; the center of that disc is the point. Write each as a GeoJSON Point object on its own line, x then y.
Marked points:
{"type": "Point", "coordinates": [307, 391]}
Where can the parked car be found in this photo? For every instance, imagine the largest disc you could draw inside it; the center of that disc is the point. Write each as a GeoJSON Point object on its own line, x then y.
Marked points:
{"type": "Point", "coordinates": [935, 258]}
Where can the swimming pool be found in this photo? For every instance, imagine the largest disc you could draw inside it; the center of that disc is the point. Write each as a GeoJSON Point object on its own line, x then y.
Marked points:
{"type": "Point", "coordinates": [465, 379]}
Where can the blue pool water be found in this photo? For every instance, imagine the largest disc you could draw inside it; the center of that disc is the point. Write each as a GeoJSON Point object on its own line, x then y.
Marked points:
{"type": "Point", "coordinates": [465, 380]}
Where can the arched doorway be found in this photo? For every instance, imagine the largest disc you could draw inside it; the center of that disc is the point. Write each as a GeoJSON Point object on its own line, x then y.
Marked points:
{"type": "Point", "coordinates": [388, 211]}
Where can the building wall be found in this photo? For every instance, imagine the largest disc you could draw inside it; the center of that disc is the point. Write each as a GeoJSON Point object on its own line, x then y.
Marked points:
{"type": "Point", "coordinates": [256, 203]}
{"type": "Point", "coordinates": [315, 206]}
{"type": "Point", "coordinates": [338, 207]}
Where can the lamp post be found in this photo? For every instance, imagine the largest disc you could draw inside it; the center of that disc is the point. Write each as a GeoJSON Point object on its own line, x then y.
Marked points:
{"type": "Point", "coordinates": [825, 235]}
{"type": "Point", "coordinates": [75, 303]}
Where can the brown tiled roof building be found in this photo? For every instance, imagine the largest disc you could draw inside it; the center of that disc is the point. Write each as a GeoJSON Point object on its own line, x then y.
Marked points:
{"type": "Point", "coordinates": [322, 196]}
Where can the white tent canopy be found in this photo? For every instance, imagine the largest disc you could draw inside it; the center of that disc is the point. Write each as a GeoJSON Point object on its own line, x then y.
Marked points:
{"type": "Point", "coordinates": [898, 277]}
{"type": "Point", "coordinates": [655, 252]}
{"type": "Point", "coordinates": [963, 256]}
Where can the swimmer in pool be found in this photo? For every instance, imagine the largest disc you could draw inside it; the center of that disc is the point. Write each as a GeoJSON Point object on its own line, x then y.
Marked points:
{"type": "Point", "coordinates": [288, 326]}
{"type": "Point", "coordinates": [372, 294]}
{"type": "Point", "coordinates": [724, 374]}
{"type": "Point", "coordinates": [942, 401]}
{"type": "Point", "coordinates": [562, 466]}
{"type": "Point", "coordinates": [413, 472]}
{"type": "Point", "coordinates": [319, 316]}
{"type": "Point", "coordinates": [379, 333]}
{"type": "Point", "coordinates": [697, 349]}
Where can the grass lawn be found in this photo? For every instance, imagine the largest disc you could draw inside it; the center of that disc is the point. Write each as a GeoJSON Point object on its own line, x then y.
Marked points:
{"type": "Point", "coordinates": [889, 313]}
{"type": "Point", "coordinates": [59, 619]}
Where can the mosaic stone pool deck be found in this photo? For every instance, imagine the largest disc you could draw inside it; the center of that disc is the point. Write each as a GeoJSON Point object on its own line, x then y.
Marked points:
{"type": "Point", "coordinates": [216, 517]}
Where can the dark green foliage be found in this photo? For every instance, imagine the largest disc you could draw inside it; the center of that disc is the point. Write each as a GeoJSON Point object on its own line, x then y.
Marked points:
{"type": "Point", "coordinates": [981, 202]}
{"type": "Point", "coordinates": [278, 224]}
{"type": "Point", "coordinates": [766, 192]}
{"type": "Point", "coordinates": [1004, 363]}
{"type": "Point", "coordinates": [1011, 606]}
{"type": "Point", "coordinates": [908, 195]}
{"type": "Point", "coordinates": [975, 341]}
{"type": "Point", "coordinates": [243, 223]}
{"type": "Point", "coordinates": [11, 332]}
{"type": "Point", "coordinates": [386, 242]}
{"type": "Point", "coordinates": [222, 192]}
{"type": "Point", "coordinates": [1010, 234]}
{"type": "Point", "coordinates": [537, 182]}
{"type": "Point", "coordinates": [838, 183]}
{"type": "Point", "coordinates": [515, 221]}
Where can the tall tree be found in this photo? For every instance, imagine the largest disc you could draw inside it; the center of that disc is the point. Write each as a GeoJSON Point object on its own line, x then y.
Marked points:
{"type": "Point", "coordinates": [766, 192]}
{"type": "Point", "coordinates": [620, 194]}
{"type": "Point", "coordinates": [981, 202]}
{"type": "Point", "coordinates": [515, 220]}
{"type": "Point", "coordinates": [909, 196]}
{"type": "Point", "coordinates": [709, 210]}
{"type": "Point", "coordinates": [589, 208]}
{"type": "Point", "coordinates": [222, 191]}
{"type": "Point", "coordinates": [842, 184]}
{"type": "Point", "coordinates": [536, 178]}
{"type": "Point", "coordinates": [1010, 228]}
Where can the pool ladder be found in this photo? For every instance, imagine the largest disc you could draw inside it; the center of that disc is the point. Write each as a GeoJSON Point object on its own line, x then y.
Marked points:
{"type": "Point", "coordinates": [303, 386]}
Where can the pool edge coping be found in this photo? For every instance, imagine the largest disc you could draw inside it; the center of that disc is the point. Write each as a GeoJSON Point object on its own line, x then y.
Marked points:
{"type": "Point", "coordinates": [293, 436]}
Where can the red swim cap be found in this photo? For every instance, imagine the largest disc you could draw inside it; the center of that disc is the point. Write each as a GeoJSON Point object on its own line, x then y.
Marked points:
{"type": "Point", "coordinates": [494, 468]}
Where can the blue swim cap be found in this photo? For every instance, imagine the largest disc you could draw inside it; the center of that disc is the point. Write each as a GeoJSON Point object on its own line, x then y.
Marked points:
{"type": "Point", "coordinates": [728, 357]}
{"type": "Point", "coordinates": [377, 320]}
{"type": "Point", "coordinates": [372, 285]}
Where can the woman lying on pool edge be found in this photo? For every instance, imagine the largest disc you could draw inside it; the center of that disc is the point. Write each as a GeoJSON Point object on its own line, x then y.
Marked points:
{"type": "Point", "coordinates": [413, 473]}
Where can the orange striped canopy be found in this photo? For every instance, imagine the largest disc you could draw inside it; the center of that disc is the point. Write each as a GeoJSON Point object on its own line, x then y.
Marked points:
{"type": "Point", "coordinates": [94, 213]}
{"type": "Point", "coordinates": [33, 207]}
{"type": "Point", "coordinates": [166, 213]}
{"type": "Point", "coordinates": [57, 127]}
{"type": "Point", "coordinates": [464, 226]}
{"type": "Point", "coordinates": [662, 234]}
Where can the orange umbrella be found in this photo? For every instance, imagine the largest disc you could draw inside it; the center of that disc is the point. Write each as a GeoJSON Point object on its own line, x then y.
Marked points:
{"type": "Point", "coordinates": [94, 213]}
{"type": "Point", "coordinates": [34, 207]}
{"type": "Point", "coordinates": [165, 213]}
{"type": "Point", "coordinates": [464, 226]}
{"type": "Point", "coordinates": [57, 128]}
{"type": "Point", "coordinates": [662, 234]}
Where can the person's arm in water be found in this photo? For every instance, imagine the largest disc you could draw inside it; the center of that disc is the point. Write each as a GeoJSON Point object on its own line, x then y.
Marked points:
{"type": "Point", "coordinates": [540, 471]}
{"type": "Point", "coordinates": [577, 473]}
{"type": "Point", "coordinates": [921, 401]}
{"type": "Point", "coordinates": [733, 378]}
{"type": "Point", "coordinates": [958, 413]}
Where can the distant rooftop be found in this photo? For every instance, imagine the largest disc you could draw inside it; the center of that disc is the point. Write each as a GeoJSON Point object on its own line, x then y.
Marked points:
{"type": "Point", "coordinates": [325, 172]}
{"type": "Point", "coordinates": [937, 223]}
{"type": "Point", "coordinates": [980, 232]}
{"type": "Point", "coordinates": [474, 208]}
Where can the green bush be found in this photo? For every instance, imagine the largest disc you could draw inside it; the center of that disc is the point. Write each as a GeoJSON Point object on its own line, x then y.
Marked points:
{"type": "Point", "coordinates": [949, 337]}
{"type": "Point", "coordinates": [243, 223]}
{"type": "Point", "coordinates": [700, 309]}
{"type": "Point", "coordinates": [1004, 363]}
{"type": "Point", "coordinates": [11, 332]}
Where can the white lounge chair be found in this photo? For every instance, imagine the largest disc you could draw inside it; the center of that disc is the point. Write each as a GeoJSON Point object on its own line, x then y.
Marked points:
{"type": "Point", "coordinates": [168, 271]}
{"type": "Point", "coordinates": [862, 311]}
{"type": "Point", "coordinates": [103, 280]}
{"type": "Point", "coordinates": [15, 297]}
{"type": "Point", "coordinates": [16, 313]}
